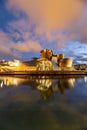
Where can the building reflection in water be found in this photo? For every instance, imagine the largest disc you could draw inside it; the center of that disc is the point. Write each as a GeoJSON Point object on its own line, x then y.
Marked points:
{"type": "Point", "coordinates": [64, 84]}
{"type": "Point", "coordinates": [46, 85]}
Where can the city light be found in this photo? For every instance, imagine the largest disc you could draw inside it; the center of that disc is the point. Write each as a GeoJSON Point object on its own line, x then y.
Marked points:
{"type": "Point", "coordinates": [16, 63]}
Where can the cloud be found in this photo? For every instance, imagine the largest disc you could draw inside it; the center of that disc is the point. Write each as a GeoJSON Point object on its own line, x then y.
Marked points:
{"type": "Point", "coordinates": [22, 32]}
{"type": "Point", "coordinates": [5, 49]}
{"type": "Point", "coordinates": [61, 44]}
{"type": "Point", "coordinates": [44, 22]}
{"type": "Point", "coordinates": [9, 48]}
{"type": "Point", "coordinates": [19, 29]}
{"type": "Point", "coordinates": [49, 13]}
{"type": "Point", "coordinates": [4, 43]}
{"type": "Point", "coordinates": [83, 1]}
{"type": "Point", "coordinates": [55, 15]}
{"type": "Point", "coordinates": [29, 46]}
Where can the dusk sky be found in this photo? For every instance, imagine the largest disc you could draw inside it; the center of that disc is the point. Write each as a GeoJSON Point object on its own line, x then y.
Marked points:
{"type": "Point", "coordinates": [28, 26]}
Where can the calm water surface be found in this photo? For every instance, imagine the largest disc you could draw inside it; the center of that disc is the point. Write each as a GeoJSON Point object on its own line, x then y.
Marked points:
{"type": "Point", "coordinates": [43, 103]}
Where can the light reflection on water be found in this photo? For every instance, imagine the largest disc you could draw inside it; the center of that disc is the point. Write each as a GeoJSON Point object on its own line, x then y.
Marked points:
{"type": "Point", "coordinates": [46, 85]}
{"type": "Point", "coordinates": [43, 102]}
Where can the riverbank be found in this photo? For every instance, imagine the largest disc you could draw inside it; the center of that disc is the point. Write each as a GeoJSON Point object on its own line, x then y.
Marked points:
{"type": "Point", "coordinates": [54, 72]}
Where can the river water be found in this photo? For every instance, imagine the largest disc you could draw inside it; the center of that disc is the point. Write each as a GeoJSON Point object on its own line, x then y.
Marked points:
{"type": "Point", "coordinates": [43, 103]}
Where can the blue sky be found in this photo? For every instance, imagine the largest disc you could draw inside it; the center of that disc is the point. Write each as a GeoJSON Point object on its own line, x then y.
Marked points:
{"type": "Point", "coordinates": [28, 26]}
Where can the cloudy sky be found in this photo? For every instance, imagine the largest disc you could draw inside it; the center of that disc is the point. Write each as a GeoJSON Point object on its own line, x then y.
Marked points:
{"type": "Point", "coordinates": [27, 26]}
